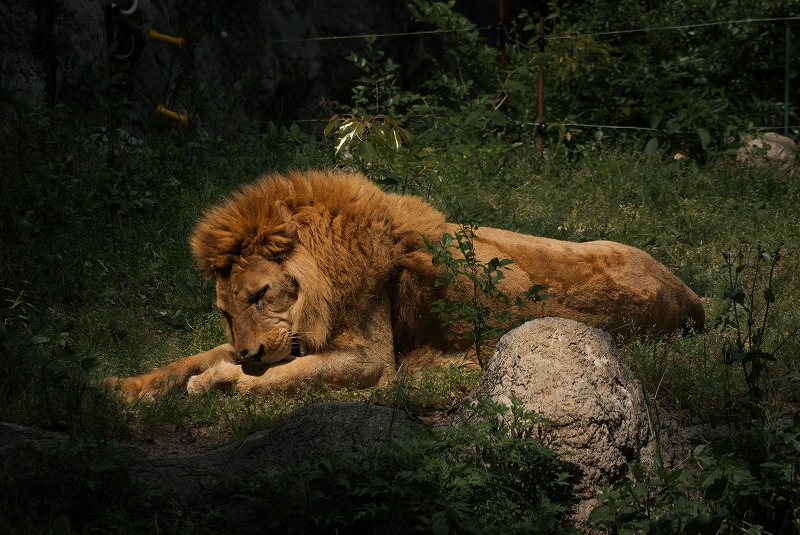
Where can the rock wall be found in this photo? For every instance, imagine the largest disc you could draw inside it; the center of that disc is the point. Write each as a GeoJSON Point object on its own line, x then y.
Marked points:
{"type": "Point", "coordinates": [244, 63]}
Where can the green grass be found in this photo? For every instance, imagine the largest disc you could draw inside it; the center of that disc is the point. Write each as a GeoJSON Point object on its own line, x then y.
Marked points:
{"type": "Point", "coordinates": [96, 277]}
{"type": "Point", "coordinates": [96, 262]}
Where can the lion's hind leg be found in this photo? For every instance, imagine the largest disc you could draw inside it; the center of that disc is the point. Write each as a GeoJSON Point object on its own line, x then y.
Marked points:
{"type": "Point", "coordinates": [173, 376]}
{"type": "Point", "coordinates": [427, 357]}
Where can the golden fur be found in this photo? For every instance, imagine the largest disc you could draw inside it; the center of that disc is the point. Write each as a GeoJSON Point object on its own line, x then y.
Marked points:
{"type": "Point", "coordinates": [323, 277]}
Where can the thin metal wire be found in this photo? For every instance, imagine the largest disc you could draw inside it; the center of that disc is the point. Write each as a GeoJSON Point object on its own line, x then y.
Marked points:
{"type": "Point", "coordinates": [679, 27]}
{"type": "Point", "coordinates": [484, 28]}
{"type": "Point", "coordinates": [377, 35]}
{"type": "Point", "coordinates": [577, 125]}
{"type": "Point", "coordinates": [551, 38]}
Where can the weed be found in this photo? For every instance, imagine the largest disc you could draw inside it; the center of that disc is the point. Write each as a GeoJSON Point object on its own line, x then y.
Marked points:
{"type": "Point", "coordinates": [79, 485]}
{"type": "Point", "coordinates": [746, 484]}
{"type": "Point", "coordinates": [748, 320]}
{"type": "Point", "coordinates": [492, 476]}
{"type": "Point", "coordinates": [367, 139]}
{"type": "Point", "coordinates": [483, 306]}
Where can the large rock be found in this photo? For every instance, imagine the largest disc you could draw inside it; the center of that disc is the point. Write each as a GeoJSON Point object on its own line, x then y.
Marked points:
{"type": "Point", "coordinates": [769, 149]}
{"type": "Point", "coordinates": [310, 431]}
{"type": "Point", "coordinates": [570, 374]}
{"type": "Point", "coordinates": [307, 433]}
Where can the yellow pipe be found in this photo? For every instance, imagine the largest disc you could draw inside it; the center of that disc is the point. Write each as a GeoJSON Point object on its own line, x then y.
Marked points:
{"type": "Point", "coordinates": [161, 110]}
{"type": "Point", "coordinates": [156, 36]}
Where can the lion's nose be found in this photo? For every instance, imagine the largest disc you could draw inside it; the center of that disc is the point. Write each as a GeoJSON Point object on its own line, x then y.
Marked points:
{"type": "Point", "coordinates": [245, 354]}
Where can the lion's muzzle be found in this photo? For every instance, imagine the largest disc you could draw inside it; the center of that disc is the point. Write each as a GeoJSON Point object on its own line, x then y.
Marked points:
{"type": "Point", "coordinates": [245, 355]}
{"type": "Point", "coordinates": [297, 349]}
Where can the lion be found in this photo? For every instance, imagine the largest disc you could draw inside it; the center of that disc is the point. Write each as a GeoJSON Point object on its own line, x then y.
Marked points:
{"type": "Point", "coordinates": [322, 278]}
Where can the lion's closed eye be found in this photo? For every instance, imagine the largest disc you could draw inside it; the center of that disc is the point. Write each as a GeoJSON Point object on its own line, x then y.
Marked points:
{"type": "Point", "coordinates": [260, 296]}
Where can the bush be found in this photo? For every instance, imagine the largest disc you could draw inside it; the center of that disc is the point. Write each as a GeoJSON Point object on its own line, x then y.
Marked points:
{"type": "Point", "coordinates": [492, 476]}
{"type": "Point", "coordinates": [747, 483]}
{"type": "Point", "coordinates": [82, 485]}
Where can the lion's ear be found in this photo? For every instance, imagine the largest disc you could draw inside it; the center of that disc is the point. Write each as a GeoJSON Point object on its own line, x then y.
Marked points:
{"type": "Point", "coordinates": [289, 228]}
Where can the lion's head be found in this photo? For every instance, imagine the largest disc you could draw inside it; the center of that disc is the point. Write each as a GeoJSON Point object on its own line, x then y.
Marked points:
{"type": "Point", "coordinates": [267, 282]}
{"type": "Point", "coordinates": [262, 303]}
{"type": "Point", "coordinates": [296, 260]}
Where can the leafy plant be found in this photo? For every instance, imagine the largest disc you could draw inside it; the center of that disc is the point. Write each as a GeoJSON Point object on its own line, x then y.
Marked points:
{"type": "Point", "coordinates": [483, 305]}
{"type": "Point", "coordinates": [376, 91]}
{"type": "Point", "coordinates": [371, 136]}
{"type": "Point", "coordinates": [366, 139]}
{"type": "Point", "coordinates": [80, 485]}
{"type": "Point", "coordinates": [492, 475]}
{"type": "Point", "coordinates": [747, 483]}
{"type": "Point", "coordinates": [749, 319]}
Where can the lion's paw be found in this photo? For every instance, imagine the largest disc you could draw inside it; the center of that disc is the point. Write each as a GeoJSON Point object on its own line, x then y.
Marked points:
{"type": "Point", "coordinates": [196, 386]}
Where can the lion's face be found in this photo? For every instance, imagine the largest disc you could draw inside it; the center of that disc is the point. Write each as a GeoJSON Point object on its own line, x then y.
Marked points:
{"type": "Point", "coordinates": [257, 299]}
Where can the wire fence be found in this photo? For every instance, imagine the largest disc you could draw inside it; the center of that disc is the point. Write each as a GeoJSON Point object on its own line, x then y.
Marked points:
{"type": "Point", "coordinates": [574, 36]}
{"type": "Point", "coordinates": [675, 28]}
{"type": "Point", "coordinates": [568, 36]}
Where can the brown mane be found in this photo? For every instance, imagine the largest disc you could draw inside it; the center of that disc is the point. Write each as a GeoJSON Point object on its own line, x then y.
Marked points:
{"type": "Point", "coordinates": [252, 222]}
{"type": "Point", "coordinates": [247, 222]}
{"type": "Point", "coordinates": [340, 235]}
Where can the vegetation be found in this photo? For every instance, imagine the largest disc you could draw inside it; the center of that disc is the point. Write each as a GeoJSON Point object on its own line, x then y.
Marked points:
{"type": "Point", "coordinates": [493, 476]}
{"type": "Point", "coordinates": [483, 306]}
{"type": "Point", "coordinates": [96, 277]}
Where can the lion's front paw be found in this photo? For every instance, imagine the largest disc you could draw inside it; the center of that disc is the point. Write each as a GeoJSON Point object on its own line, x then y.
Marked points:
{"type": "Point", "coordinates": [222, 377]}
{"type": "Point", "coordinates": [196, 386]}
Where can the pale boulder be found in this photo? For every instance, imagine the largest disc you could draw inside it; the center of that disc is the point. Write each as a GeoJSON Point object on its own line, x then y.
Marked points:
{"type": "Point", "coordinates": [770, 149]}
{"type": "Point", "coordinates": [571, 374]}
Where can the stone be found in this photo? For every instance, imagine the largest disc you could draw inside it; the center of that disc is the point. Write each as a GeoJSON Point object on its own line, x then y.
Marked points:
{"type": "Point", "coordinates": [571, 374]}
{"type": "Point", "coordinates": [771, 149]}
{"type": "Point", "coordinates": [307, 433]}
{"type": "Point", "coordinates": [310, 431]}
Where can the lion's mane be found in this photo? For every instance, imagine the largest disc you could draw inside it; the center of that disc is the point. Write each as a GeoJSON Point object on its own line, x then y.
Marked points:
{"type": "Point", "coordinates": [341, 237]}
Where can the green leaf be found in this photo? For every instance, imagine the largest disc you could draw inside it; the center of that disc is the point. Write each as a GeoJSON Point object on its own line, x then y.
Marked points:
{"type": "Point", "coordinates": [717, 490]}
{"type": "Point", "coordinates": [497, 118]}
{"type": "Point", "coordinates": [757, 354]}
{"type": "Point", "coordinates": [343, 141]}
{"type": "Point", "coordinates": [439, 523]}
{"type": "Point", "coordinates": [704, 136]}
{"type": "Point", "coordinates": [395, 141]}
{"type": "Point", "coordinates": [332, 124]}
{"type": "Point", "coordinates": [39, 339]}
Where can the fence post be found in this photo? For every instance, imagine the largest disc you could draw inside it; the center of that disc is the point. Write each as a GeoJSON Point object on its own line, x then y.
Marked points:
{"type": "Point", "coordinates": [501, 20]}
{"type": "Point", "coordinates": [786, 81]}
{"type": "Point", "coordinates": [540, 121]}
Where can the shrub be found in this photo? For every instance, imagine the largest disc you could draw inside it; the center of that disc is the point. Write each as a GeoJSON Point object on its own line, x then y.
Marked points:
{"type": "Point", "coordinates": [492, 476]}
{"type": "Point", "coordinates": [81, 485]}
{"type": "Point", "coordinates": [483, 306]}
